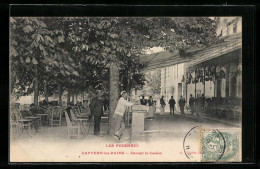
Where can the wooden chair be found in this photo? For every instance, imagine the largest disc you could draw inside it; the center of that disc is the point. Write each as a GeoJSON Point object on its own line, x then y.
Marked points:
{"type": "Point", "coordinates": [15, 125]}
{"type": "Point", "coordinates": [73, 128]}
{"type": "Point", "coordinates": [55, 119]}
{"type": "Point", "coordinates": [73, 116]}
{"type": "Point", "coordinates": [63, 118]}
{"type": "Point", "coordinates": [79, 120]}
{"type": "Point", "coordinates": [77, 112]}
{"type": "Point", "coordinates": [23, 123]}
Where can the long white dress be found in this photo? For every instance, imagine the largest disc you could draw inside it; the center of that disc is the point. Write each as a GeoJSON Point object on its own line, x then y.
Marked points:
{"type": "Point", "coordinates": [162, 109]}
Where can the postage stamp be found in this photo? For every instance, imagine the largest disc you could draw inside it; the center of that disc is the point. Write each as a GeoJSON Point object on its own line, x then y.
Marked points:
{"type": "Point", "coordinates": [220, 145]}
{"type": "Point", "coordinates": [212, 145]}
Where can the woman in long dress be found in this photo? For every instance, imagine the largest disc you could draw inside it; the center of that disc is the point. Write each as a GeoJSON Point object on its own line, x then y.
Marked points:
{"type": "Point", "coordinates": [150, 108]}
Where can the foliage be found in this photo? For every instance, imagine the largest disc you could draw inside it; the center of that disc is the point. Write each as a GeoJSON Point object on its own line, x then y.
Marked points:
{"type": "Point", "coordinates": [77, 52]}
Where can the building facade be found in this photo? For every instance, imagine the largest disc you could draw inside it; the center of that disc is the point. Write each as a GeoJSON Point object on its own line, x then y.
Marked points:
{"type": "Point", "coordinates": [229, 25]}
{"type": "Point", "coordinates": [218, 75]}
{"type": "Point", "coordinates": [172, 83]}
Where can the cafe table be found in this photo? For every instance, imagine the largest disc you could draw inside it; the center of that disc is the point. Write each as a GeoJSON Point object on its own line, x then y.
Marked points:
{"type": "Point", "coordinates": [42, 116]}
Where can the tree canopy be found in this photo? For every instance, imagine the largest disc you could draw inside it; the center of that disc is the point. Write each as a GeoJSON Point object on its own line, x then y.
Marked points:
{"type": "Point", "coordinates": [78, 51]}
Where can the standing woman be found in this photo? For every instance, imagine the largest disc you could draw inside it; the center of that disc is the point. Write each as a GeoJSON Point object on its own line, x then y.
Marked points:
{"type": "Point", "coordinates": [162, 102]}
{"type": "Point", "coordinates": [150, 108]}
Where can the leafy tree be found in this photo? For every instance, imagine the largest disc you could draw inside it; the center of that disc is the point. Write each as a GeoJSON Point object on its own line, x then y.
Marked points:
{"type": "Point", "coordinates": [117, 42]}
{"type": "Point", "coordinates": [38, 57]}
{"type": "Point", "coordinates": [70, 51]}
{"type": "Point", "coordinates": [30, 42]}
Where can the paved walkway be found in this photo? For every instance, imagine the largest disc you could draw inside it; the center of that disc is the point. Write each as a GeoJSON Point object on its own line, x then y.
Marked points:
{"type": "Point", "coordinates": [210, 117]}
{"type": "Point", "coordinates": [52, 144]}
{"type": "Point", "coordinates": [207, 117]}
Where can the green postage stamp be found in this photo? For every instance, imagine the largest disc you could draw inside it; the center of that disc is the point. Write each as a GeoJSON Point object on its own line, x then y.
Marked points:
{"type": "Point", "coordinates": [220, 145]}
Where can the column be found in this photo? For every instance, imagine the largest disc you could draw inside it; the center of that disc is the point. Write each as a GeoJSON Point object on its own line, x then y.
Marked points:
{"type": "Point", "coordinates": [230, 87]}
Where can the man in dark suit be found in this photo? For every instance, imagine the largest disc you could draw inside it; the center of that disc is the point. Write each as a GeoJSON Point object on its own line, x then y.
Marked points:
{"type": "Point", "coordinates": [203, 99]}
{"type": "Point", "coordinates": [182, 103]}
{"type": "Point", "coordinates": [191, 103]}
{"type": "Point", "coordinates": [96, 108]}
{"type": "Point", "coordinates": [172, 105]}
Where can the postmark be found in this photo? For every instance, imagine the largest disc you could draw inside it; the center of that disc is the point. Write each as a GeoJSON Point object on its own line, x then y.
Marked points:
{"type": "Point", "coordinates": [204, 145]}
{"type": "Point", "coordinates": [191, 144]}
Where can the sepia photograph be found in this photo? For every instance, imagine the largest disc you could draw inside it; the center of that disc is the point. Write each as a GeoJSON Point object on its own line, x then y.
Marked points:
{"type": "Point", "coordinates": [125, 89]}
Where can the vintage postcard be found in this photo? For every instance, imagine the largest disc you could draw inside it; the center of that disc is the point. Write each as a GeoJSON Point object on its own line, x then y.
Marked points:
{"type": "Point", "coordinates": [125, 89]}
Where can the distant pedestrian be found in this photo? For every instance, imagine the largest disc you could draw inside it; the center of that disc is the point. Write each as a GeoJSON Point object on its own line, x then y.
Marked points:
{"type": "Point", "coordinates": [203, 99]}
{"type": "Point", "coordinates": [162, 102]}
{"type": "Point", "coordinates": [182, 103]}
{"type": "Point", "coordinates": [191, 104]}
{"type": "Point", "coordinates": [150, 108]}
{"type": "Point", "coordinates": [96, 108]}
{"type": "Point", "coordinates": [172, 105]}
{"type": "Point", "coordinates": [143, 101]}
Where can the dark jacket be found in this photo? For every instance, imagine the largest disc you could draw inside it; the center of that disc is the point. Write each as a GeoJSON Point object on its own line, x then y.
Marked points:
{"type": "Point", "coordinates": [143, 101]}
{"type": "Point", "coordinates": [182, 102]}
{"type": "Point", "coordinates": [162, 102]}
{"type": "Point", "coordinates": [150, 102]}
{"type": "Point", "coordinates": [96, 107]}
{"type": "Point", "coordinates": [172, 102]}
{"type": "Point", "coordinates": [191, 101]}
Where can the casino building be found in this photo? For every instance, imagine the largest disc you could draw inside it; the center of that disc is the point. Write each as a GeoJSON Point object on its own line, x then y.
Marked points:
{"type": "Point", "coordinates": [215, 71]}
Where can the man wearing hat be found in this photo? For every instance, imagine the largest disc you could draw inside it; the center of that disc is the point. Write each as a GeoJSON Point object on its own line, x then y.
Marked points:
{"type": "Point", "coordinates": [96, 108]}
{"type": "Point", "coordinates": [122, 104]}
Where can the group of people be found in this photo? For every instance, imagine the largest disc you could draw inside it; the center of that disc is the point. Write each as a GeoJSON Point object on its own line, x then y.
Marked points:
{"type": "Point", "coordinates": [196, 104]}
{"type": "Point", "coordinates": [99, 104]}
{"type": "Point", "coordinates": [151, 106]}
{"type": "Point", "coordinates": [172, 104]}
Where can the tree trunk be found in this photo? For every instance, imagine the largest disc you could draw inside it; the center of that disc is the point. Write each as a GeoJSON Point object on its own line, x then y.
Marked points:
{"type": "Point", "coordinates": [113, 96]}
{"type": "Point", "coordinates": [68, 98]}
{"type": "Point", "coordinates": [36, 86]}
{"type": "Point", "coordinates": [45, 91]}
{"type": "Point", "coordinates": [60, 94]}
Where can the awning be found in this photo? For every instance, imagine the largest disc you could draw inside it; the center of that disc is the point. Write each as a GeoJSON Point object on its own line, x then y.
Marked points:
{"type": "Point", "coordinates": [165, 59]}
